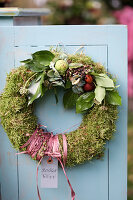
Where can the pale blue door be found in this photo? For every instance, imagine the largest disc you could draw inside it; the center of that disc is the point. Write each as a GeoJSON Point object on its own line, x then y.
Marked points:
{"type": "Point", "coordinates": [97, 180]}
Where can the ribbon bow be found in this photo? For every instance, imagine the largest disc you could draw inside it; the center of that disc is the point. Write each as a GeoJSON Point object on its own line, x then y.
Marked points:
{"type": "Point", "coordinates": [43, 143]}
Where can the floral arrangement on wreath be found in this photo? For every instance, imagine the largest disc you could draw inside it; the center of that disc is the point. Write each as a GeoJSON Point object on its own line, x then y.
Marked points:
{"type": "Point", "coordinates": [87, 87]}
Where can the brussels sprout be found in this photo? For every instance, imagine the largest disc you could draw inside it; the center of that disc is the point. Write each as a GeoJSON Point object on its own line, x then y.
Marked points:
{"type": "Point", "coordinates": [61, 66]}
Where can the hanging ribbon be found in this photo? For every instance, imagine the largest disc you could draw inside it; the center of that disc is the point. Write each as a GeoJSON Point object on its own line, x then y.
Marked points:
{"type": "Point", "coordinates": [43, 143]}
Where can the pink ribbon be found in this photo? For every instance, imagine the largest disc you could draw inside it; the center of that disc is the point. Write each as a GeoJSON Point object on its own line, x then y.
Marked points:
{"type": "Point", "coordinates": [64, 149]}
{"type": "Point", "coordinates": [42, 144]}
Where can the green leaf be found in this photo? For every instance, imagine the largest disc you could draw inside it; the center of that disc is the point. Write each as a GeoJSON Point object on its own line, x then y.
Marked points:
{"type": "Point", "coordinates": [117, 86]}
{"type": "Point", "coordinates": [26, 61]}
{"type": "Point", "coordinates": [39, 76]}
{"type": "Point", "coordinates": [77, 89]}
{"type": "Point", "coordinates": [104, 81]}
{"type": "Point", "coordinates": [94, 73]}
{"type": "Point", "coordinates": [56, 74]}
{"type": "Point", "coordinates": [99, 94]}
{"type": "Point", "coordinates": [35, 96]}
{"type": "Point", "coordinates": [68, 84]}
{"type": "Point", "coordinates": [53, 79]}
{"type": "Point", "coordinates": [109, 89]}
{"type": "Point", "coordinates": [58, 83]}
{"type": "Point", "coordinates": [37, 89]}
{"type": "Point", "coordinates": [75, 65]}
{"type": "Point", "coordinates": [112, 97]}
{"type": "Point", "coordinates": [50, 73]}
{"type": "Point", "coordinates": [84, 102]}
{"type": "Point", "coordinates": [40, 66]}
{"type": "Point", "coordinates": [53, 76]}
{"type": "Point", "coordinates": [43, 90]}
{"type": "Point", "coordinates": [43, 57]}
{"type": "Point", "coordinates": [56, 95]}
{"type": "Point", "coordinates": [34, 67]}
{"type": "Point", "coordinates": [69, 99]}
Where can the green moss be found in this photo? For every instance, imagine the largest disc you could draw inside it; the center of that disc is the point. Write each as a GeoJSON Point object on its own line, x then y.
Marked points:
{"type": "Point", "coordinates": [80, 58]}
{"type": "Point", "coordinates": [86, 60]}
{"type": "Point", "coordinates": [15, 80]}
{"type": "Point", "coordinates": [16, 103]}
{"type": "Point", "coordinates": [18, 120]}
{"type": "Point", "coordinates": [89, 139]}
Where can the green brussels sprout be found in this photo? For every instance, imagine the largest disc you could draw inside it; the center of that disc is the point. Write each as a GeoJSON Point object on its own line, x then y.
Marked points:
{"type": "Point", "coordinates": [61, 66]}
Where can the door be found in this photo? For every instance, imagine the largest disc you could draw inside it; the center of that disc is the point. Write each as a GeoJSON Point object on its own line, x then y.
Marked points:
{"type": "Point", "coordinates": [99, 179]}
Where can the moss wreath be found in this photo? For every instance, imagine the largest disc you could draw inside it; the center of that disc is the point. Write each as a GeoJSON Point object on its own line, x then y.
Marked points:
{"type": "Point", "coordinates": [87, 85]}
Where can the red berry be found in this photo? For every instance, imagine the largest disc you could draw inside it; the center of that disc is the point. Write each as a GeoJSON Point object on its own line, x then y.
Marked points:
{"type": "Point", "coordinates": [88, 78]}
{"type": "Point", "coordinates": [89, 87]}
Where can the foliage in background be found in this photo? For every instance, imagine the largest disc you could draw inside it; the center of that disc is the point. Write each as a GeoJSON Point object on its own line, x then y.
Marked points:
{"type": "Point", "coordinates": [79, 12]}
{"type": "Point", "coordinates": [118, 4]}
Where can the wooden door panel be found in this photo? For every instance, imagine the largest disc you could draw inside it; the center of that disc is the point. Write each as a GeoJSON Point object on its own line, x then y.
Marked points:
{"type": "Point", "coordinates": [94, 175]}
{"type": "Point", "coordinates": [100, 179]}
{"type": "Point", "coordinates": [8, 157]}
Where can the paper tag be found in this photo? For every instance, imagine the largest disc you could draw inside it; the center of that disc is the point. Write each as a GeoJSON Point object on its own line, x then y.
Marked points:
{"type": "Point", "coordinates": [49, 173]}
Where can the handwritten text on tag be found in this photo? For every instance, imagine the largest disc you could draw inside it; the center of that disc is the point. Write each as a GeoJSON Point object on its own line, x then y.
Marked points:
{"type": "Point", "coordinates": [49, 173]}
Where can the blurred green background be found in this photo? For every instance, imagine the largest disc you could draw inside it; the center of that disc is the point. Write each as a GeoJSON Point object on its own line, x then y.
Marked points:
{"type": "Point", "coordinates": [93, 12]}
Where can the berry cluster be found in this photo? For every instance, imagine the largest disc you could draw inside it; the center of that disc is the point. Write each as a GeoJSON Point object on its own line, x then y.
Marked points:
{"type": "Point", "coordinates": [89, 84]}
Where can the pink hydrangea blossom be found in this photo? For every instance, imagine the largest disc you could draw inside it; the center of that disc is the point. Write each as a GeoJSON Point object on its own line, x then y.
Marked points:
{"type": "Point", "coordinates": [125, 16]}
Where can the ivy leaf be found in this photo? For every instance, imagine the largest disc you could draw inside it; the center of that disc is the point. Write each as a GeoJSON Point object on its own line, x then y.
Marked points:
{"type": "Point", "coordinates": [84, 102]}
{"type": "Point", "coordinates": [69, 99]}
{"type": "Point", "coordinates": [43, 57]}
{"type": "Point", "coordinates": [99, 94]}
{"type": "Point", "coordinates": [104, 81]}
{"type": "Point", "coordinates": [112, 97]}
